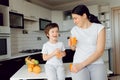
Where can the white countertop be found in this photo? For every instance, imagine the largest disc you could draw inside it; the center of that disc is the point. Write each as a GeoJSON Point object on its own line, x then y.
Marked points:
{"type": "Point", "coordinates": [22, 73]}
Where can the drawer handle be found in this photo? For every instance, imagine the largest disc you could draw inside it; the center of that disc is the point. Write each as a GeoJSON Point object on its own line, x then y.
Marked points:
{"type": "Point", "coordinates": [18, 60]}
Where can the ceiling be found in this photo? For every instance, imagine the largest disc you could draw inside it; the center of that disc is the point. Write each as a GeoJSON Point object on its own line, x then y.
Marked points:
{"type": "Point", "coordinates": [65, 4]}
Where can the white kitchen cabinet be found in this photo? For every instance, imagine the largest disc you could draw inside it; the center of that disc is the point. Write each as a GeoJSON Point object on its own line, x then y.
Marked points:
{"type": "Point", "coordinates": [16, 6]}
{"type": "Point", "coordinates": [57, 17]}
{"type": "Point", "coordinates": [104, 15]}
{"type": "Point", "coordinates": [94, 9]}
{"type": "Point", "coordinates": [31, 12]}
{"type": "Point", "coordinates": [68, 24]}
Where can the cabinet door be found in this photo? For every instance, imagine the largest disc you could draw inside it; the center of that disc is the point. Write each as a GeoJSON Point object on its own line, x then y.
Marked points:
{"type": "Point", "coordinates": [18, 63]}
{"type": "Point", "coordinates": [4, 2]}
{"type": "Point", "coordinates": [68, 24]}
{"type": "Point", "coordinates": [57, 17]}
{"type": "Point", "coordinates": [17, 6]}
{"type": "Point", "coordinates": [31, 10]}
{"type": "Point", "coordinates": [69, 56]}
{"type": "Point", "coordinates": [6, 68]}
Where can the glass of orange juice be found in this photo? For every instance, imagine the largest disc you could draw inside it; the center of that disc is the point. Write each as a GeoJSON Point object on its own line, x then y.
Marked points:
{"type": "Point", "coordinates": [73, 41]}
{"type": "Point", "coordinates": [58, 55]}
{"type": "Point", "coordinates": [70, 66]}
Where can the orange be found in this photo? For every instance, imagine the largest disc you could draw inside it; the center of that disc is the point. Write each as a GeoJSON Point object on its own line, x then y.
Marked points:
{"type": "Point", "coordinates": [37, 69]}
{"type": "Point", "coordinates": [70, 66]}
{"type": "Point", "coordinates": [30, 65]}
{"type": "Point", "coordinates": [58, 55]}
{"type": "Point", "coordinates": [73, 41]}
{"type": "Point", "coordinates": [30, 69]}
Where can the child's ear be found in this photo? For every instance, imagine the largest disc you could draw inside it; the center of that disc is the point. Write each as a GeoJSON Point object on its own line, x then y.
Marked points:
{"type": "Point", "coordinates": [47, 35]}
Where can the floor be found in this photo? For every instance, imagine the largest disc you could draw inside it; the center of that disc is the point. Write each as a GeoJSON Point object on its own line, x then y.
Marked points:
{"type": "Point", "coordinates": [115, 77]}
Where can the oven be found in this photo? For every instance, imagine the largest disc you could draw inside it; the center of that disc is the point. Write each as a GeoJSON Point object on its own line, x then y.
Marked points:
{"type": "Point", "coordinates": [5, 46]}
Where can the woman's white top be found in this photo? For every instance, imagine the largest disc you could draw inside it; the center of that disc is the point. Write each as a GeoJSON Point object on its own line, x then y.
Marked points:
{"type": "Point", "coordinates": [49, 48]}
{"type": "Point", "coordinates": [86, 42]}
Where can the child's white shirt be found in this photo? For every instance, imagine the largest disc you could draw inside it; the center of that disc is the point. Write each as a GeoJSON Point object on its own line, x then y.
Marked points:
{"type": "Point", "coordinates": [49, 48]}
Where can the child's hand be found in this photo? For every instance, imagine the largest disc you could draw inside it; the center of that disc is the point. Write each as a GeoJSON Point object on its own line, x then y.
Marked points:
{"type": "Point", "coordinates": [58, 53]}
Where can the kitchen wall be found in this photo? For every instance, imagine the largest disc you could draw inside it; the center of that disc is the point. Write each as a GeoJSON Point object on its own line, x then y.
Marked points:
{"type": "Point", "coordinates": [34, 38]}
{"type": "Point", "coordinates": [31, 40]}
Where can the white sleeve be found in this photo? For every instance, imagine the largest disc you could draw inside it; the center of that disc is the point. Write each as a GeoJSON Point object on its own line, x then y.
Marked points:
{"type": "Point", "coordinates": [73, 31]}
{"type": "Point", "coordinates": [63, 47]}
{"type": "Point", "coordinates": [100, 28]}
{"type": "Point", "coordinates": [44, 50]}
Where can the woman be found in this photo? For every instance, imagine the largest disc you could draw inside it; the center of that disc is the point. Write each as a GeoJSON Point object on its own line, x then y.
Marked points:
{"type": "Point", "coordinates": [90, 35]}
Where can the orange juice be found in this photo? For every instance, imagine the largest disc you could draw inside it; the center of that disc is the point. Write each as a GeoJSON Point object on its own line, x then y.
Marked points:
{"type": "Point", "coordinates": [73, 41]}
{"type": "Point", "coordinates": [58, 55]}
{"type": "Point", "coordinates": [70, 66]}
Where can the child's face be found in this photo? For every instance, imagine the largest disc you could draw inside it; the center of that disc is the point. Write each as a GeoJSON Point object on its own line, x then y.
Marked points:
{"type": "Point", "coordinates": [53, 34]}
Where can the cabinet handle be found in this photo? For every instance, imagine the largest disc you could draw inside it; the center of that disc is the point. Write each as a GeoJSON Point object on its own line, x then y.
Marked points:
{"type": "Point", "coordinates": [1, 64]}
{"type": "Point", "coordinates": [18, 60]}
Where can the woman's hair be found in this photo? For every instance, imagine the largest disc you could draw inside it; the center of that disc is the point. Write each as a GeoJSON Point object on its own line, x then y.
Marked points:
{"type": "Point", "coordinates": [81, 9]}
{"type": "Point", "coordinates": [50, 26]}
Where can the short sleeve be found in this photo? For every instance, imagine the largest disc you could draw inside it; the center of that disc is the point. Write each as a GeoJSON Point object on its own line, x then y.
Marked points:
{"type": "Point", "coordinates": [73, 31]}
{"type": "Point", "coordinates": [100, 28]}
{"type": "Point", "coordinates": [44, 50]}
{"type": "Point", "coordinates": [63, 47]}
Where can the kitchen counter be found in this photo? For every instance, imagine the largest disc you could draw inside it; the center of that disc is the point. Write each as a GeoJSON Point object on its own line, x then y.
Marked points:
{"type": "Point", "coordinates": [23, 54]}
{"type": "Point", "coordinates": [22, 73]}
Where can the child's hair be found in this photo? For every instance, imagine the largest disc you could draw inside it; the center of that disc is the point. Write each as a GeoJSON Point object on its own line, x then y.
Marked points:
{"type": "Point", "coordinates": [81, 9]}
{"type": "Point", "coordinates": [50, 26]}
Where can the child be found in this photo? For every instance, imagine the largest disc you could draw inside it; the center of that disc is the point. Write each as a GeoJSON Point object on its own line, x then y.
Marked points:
{"type": "Point", "coordinates": [53, 51]}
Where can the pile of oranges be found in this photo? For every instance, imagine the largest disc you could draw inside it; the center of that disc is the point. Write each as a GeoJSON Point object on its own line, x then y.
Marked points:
{"type": "Point", "coordinates": [33, 65]}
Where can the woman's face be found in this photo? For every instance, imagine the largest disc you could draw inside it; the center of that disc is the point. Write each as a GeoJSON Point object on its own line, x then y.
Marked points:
{"type": "Point", "coordinates": [53, 34]}
{"type": "Point", "coordinates": [78, 20]}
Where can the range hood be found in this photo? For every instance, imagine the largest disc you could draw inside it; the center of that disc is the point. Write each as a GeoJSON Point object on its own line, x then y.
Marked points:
{"type": "Point", "coordinates": [30, 18]}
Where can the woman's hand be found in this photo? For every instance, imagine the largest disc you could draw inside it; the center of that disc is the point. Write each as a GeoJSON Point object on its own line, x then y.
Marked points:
{"type": "Point", "coordinates": [73, 47]}
{"type": "Point", "coordinates": [77, 67]}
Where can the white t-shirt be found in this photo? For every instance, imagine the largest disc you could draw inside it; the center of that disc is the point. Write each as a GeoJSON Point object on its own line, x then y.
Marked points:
{"type": "Point", "coordinates": [86, 42]}
{"type": "Point", "coordinates": [49, 48]}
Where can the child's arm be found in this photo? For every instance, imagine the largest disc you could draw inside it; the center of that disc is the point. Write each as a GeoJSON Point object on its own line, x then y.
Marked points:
{"type": "Point", "coordinates": [48, 56]}
{"type": "Point", "coordinates": [63, 53]}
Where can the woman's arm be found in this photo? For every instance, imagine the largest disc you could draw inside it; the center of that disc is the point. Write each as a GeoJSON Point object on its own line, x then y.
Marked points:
{"type": "Point", "coordinates": [99, 50]}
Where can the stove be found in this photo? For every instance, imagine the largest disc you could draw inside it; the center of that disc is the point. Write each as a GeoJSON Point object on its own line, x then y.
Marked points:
{"type": "Point", "coordinates": [30, 51]}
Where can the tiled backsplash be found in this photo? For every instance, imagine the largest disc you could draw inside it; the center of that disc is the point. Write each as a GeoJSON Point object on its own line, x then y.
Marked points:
{"type": "Point", "coordinates": [20, 41]}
